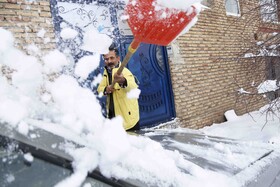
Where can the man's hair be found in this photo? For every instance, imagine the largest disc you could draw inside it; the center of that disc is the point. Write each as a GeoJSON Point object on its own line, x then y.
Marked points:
{"type": "Point", "coordinates": [114, 48]}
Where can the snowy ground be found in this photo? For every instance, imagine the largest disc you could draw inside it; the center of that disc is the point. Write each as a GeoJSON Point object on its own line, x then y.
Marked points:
{"type": "Point", "coordinates": [256, 126]}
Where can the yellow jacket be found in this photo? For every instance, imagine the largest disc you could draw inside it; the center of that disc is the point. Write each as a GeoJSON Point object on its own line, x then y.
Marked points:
{"type": "Point", "coordinates": [125, 107]}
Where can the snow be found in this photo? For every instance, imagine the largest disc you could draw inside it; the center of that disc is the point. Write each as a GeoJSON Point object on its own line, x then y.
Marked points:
{"type": "Point", "coordinates": [10, 178]}
{"type": "Point", "coordinates": [96, 42]}
{"type": "Point", "coordinates": [242, 91]}
{"type": "Point", "coordinates": [28, 157]}
{"type": "Point", "coordinates": [177, 4]}
{"type": "Point", "coordinates": [189, 26]}
{"type": "Point", "coordinates": [85, 160]}
{"type": "Point", "coordinates": [268, 86]}
{"type": "Point", "coordinates": [134, 93]}
{"type": "Point", "coordinates": [41, 33]}
{"type": "Point", "coordinates": [231, 115]}
{"type": "Point", "coordinates": [68, 33]}
{"type": "Point", "coordinates": [86, 65]}
{"type": "Point", "coordinates": [76, 105]}
{"type": "Point", "coordinates": [29, 99]}
{"type": "Point", "coordinates": [269, 51]}
{"type": "Point", "coordinates": [54, 61]}
{"type": "Point", "coordinates": [23, 128]}
{"type": "Point", "coordinates": [254, 126]}
{"type": "Point", "coordinates": [33, 49]}
{"type": "Point", "coordinates": [12, 111]}
{"type": "Point", "coordinates": [7, 41]}
{"type": "Point", "coordinates": [249, 55]}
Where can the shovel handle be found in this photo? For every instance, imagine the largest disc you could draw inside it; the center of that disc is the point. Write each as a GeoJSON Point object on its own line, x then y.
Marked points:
{"type": "Point", "coordinates": [131, 50]}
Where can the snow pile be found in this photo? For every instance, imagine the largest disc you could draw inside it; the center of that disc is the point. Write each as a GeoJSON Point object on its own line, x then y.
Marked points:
{"type": "Point", "coordinates": [231, 115]}
{"type": "Point", "coordinates": [26, 90]}
{"type": "Point", "coordinates": [268, 86]}
{"type": "Point", "coordinates": [249, 127]}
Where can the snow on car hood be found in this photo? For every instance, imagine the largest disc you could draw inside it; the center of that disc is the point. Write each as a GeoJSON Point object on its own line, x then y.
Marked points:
{"type": "Point", "coordinates": [166, 157]}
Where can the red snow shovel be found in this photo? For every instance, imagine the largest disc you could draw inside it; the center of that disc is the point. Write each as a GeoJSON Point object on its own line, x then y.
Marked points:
{"type": "Point", "coordinates": [148, 25]}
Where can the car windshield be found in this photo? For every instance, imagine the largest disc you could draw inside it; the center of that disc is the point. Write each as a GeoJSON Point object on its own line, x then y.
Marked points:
{"type": "Point", "coordinates": [16, 169]}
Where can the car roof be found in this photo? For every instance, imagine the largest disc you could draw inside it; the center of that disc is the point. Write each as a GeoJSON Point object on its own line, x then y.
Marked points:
{"type": "Point", "coordinates": [198, 148]}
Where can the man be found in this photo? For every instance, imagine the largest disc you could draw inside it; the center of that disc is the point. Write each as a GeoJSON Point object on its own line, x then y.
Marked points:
{"type": "Point", "coordinates": [117, 103]}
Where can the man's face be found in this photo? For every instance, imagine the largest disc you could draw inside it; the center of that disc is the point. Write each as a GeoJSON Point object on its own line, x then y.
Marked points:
{"type": "Point", "coordinates": [111, 60]}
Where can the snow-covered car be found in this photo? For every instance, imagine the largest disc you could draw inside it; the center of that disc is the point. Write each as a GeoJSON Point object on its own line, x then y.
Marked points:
{"type": "Point", "coordinates": [39, 159]}
{"type": "Point", "coordinates": [250, 164]}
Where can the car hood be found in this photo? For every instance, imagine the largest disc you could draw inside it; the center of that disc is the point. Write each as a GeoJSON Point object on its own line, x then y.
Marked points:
{"type": "Point", "coordinates": [253, 163]}
{"type": "Point", "coordinates": [242, 161]}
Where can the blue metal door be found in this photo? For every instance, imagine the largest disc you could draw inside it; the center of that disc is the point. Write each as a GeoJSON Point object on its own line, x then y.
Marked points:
{"type": "Point", "coordinates": [149, 63]}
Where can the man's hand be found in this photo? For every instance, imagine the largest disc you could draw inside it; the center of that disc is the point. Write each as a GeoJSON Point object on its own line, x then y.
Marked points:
{"type": "Point", "coordinates": [109, 89]}
{"type": "Point", "coordinates": [119, 78]}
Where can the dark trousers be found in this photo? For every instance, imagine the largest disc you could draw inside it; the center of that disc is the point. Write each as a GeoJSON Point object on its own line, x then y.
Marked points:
{"type": "Point", "coordinates": [135, 128]}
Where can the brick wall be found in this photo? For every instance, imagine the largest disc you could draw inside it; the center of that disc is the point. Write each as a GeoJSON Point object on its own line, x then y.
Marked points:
{"type": "Point", "coordinates": [205, 74]}
{"type": "Point", "coordinates": [29, 21]}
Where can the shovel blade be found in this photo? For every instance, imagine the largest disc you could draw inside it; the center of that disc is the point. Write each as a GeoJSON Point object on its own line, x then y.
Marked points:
{"type": "Point", "coordinates": [158, 27]}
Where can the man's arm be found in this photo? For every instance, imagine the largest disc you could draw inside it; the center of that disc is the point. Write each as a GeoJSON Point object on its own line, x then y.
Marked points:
{"type": "Point", "coordinates": [121, 80]}
{"type": "Point", "coordinates": [126, 80]}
